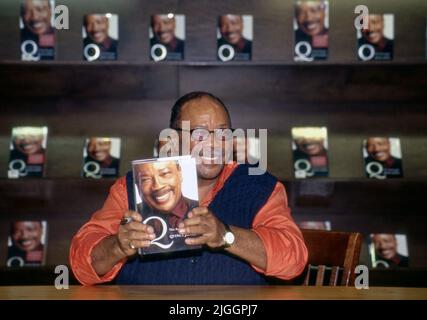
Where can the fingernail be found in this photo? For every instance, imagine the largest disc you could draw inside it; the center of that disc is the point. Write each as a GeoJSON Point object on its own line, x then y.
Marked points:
{"type": "Point", "coordinates": [181, 225]}
{"type": "Point", "coordinates": [181, 230]}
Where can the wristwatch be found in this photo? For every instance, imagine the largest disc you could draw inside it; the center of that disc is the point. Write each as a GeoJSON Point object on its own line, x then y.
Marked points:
{"type": "Point", "coordinates": [228, 236]}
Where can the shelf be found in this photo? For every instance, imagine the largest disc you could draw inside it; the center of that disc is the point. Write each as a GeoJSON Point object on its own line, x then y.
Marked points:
{"type": "Point", "coordinates": [336, 196]}
{"type": "Point", "coordinates": [215, 63]}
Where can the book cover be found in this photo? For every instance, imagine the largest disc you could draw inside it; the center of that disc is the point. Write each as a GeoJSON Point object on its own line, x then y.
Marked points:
{"type": "Point", "coordinates": [234, 37]}
{"type": "Point", "coordinates": [383, 157]}
{"type": "Point", "coordinates": [167, 37]}
{"type": "Point", "coordinates": [377, 41]}
{"type": "Point", "coordinates": [310, 152]}
{"type": "Point", "coordinates": [165, 192]}
{"type": "Point", "coordinates": [101, 157]}
{"type": "Point", "coordinates": [27, 152]}
{"type": "Point", "coordinates": [27, 243]}
{"type": "Point", "coordinates": [311, 30]}
{"type": "Point", "coordinates": [315, 225]}
{"type": "Point", "coordinates": [388, 250]}
{"type": "Point", "coordinates": [100, 37]}
{"type": "Point", "coordinates": [36, 24]}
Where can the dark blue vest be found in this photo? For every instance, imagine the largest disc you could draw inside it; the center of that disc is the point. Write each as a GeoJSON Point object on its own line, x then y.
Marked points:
{"type": "Point", "coordinates": [237, 203]}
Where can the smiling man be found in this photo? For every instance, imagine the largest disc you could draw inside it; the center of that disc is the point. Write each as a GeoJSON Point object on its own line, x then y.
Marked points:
{"type": "Point", "coordinates": [379, 150]}
{"type": "Point", "coordinates": [36, 17]}
{"type": "Point", "coordinates": [374, 35]}
{"type": "Point", "coordinates": [160, 185]}
{"type": "Point", "coordinates": [97, 27]}
{"type": "Point", "coordinates": [386, 251]}
{"type": "Point", "coordinates": [163, 28]}
{"type": "Point", "coordinates": [243, 221]}
{"type": "Point", "coordinates": [26, 242]}
{"type": "Point", "coordinates": [231, 29]}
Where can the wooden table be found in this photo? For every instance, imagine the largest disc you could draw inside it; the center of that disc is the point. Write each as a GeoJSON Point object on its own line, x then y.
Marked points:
{"type": "Point", "coordinates": [210, 293]}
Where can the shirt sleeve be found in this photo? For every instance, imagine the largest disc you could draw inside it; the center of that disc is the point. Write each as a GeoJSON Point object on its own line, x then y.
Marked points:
{"type": "Point", "coordinates": [103, 223]}
{"type": "Point", "coordinates": [283, 241]}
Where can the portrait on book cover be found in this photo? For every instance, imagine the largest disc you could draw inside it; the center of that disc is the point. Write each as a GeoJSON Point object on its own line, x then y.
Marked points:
{"type": "Point", "coordinates": [27, 243]}
{"type": "Point", "coordinates": [388, 250]}
{"type": "Point", "coordinates": [100, 36]}
{"type": "Point", "coordinates": [167, 37]}
{"type": "Point", "coordinates": [311, 30]}
{"type": "Point", "coordinates": [377, 41]}
{"type": "Point", "coordinates": [36, 24]}
{"type": "Point", "coordinates": [165, 192]}
{"type": "Point", "coordinates": [101, 157]}
{"type": "Point", "coordinates": [234, 37]}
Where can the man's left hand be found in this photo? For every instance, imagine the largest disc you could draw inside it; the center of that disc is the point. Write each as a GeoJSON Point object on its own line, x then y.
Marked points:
{"type": "Point", "coordinates": [203, 227]}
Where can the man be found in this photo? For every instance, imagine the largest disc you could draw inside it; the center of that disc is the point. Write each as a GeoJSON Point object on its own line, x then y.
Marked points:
{"type": "Point", "coordinates": [379, 150]}
{"type": "Point", "coordinates": [160, 187]}
{"type": "Point", "coordinates": [97, 26]}
{"type": "Point", "coordinates": [310, 146]}
{"type": "Point", "coordinates": [99, 151]}
{"type": "Point", "coordinates": [36, 16]}
{"type": "Point", "coordinates": [243, 222]}
{"type": "Point", "coordinates": [26, 242]}
{"type": "Point", "coordinates": [163, 27]}
{"type": "Point", "coordinates": [386, 251]}
{"type": "Point", "coordinates": [28, 152]}
{"type": "Point", "coordinates": [310, 17]}
{"type": "Point", "coordinates": [231, 29]}
{"type": "Point", "coordinates": [374, 36]}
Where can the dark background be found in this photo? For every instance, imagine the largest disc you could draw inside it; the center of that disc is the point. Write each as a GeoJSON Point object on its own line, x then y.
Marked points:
{"type": "Point", "coordinates": [131, 99]}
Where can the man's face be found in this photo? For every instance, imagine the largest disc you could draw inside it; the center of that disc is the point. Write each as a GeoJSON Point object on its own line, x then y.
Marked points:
{"type": "Point", "coordinates": [207, 114]}
{"type": "Point", "coordinates": [28, 144]}
{"type": "Point", "coordinates": [379, 148]}
{"type": "Point", "coordinates": [311, 17]}
{"type": "Point", "coordinates": [163, 28]}
{"type": "Point", "coordinates": [375, 32]}
{"type": "Point", "coordinates": [97, 27]}
{"type": "Point", "coordinates": [26, 235]}
{"type": "Point", "coordinates": [310, 146]}
{"type": "Point", "coordinates": [385, 245]}
{"type": "Point", "coordinates": [161, 185]}
{"type": "Point", "coordinates": [99, 149]}
{"type": "Point", "coordinates": [231, 28]}
{"type": "Point", "coordinates": [37, 16]}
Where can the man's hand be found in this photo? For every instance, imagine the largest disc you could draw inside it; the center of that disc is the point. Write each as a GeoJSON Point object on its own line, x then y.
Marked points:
{"type": "Point", "coordinates": [203, 223]}
{"type": "Point", "coordinates": [134, 235]}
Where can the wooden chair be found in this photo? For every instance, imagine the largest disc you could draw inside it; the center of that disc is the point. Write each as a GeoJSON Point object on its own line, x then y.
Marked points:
{"type": "Point", "coordinates": [332, 255]}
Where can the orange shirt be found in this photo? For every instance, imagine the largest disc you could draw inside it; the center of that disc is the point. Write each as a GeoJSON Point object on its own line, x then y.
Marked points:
{"type": "Point", "coordinates": [282, 239]}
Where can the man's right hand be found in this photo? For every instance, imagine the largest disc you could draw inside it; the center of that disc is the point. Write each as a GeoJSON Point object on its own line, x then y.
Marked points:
{"type": "Point", "coordinates": [134, 235]}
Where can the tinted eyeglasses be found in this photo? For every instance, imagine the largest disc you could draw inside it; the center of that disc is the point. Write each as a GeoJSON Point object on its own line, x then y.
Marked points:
{"type": "Point", "coordinates": [202, 134]}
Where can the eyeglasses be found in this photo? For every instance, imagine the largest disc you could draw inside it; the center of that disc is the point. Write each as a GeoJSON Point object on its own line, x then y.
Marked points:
{"type": "Point", "coordinates": [201, 134]}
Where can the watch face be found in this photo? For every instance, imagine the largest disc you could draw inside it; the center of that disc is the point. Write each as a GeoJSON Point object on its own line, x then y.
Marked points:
{"type": "Point", "coordinates": [229, 238]}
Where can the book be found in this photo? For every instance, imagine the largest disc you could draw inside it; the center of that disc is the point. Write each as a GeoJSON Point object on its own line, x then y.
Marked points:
{"type": "Point", "coordinates": [382, 157]}
{"type": "Point", "coordinates": [101, 157]}
{"type": "Point", "coordinates": [388, 250]}
{"type": "Point", "coordinates": [37, 30]}
{"type": "Point", "coordinates": [310, 152]}
{"type": "Point", "coordinates": [315, 225]}
{"type": "Point", "coordinates": [234, 37]}
{"type": "Point", "coordinates": [311, 30]}
{"type": "Point", "coordinates": [167, 37]}
{"type": "Point", "coordinates": [165, 192]}
{"type": "Point", "coordinates": [27, 244]}
{"type": "Point", "coordinates": [100, 37]}
{"type": "Point", "coordinates": [27, 152]}
{"type": "Point", "coordinates": [377, 41]}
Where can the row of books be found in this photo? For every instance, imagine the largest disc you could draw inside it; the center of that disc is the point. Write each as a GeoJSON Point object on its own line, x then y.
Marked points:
{"type": "Point", "coordinates": [164, 191]}
{"type": "Point", "coordinates": [28, 241]}
{"type": "Point", "coordinates": [234, 34]}
{"type": "Point", "coordinates": [101, 155]}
